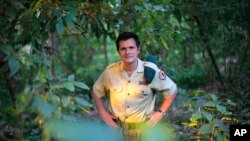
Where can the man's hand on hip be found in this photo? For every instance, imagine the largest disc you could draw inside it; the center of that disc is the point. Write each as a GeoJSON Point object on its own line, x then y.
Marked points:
{"type": "Point", "coordinates": [108, 119]}
{"type": "Point", "coordinates": [154, 119]}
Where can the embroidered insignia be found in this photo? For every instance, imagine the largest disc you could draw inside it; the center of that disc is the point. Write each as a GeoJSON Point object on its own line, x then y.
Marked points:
{"type": "Point", "coordinates": [162, 75]}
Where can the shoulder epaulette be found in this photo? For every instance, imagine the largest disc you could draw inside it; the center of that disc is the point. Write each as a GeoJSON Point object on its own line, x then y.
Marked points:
{"type": "Point", "coordinates": [150, 68]}
{"type": "Point", "coordinates": [114, 65]}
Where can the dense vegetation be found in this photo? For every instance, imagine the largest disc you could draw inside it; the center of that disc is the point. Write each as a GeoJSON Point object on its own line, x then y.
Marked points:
{"type": "Point", "coordinates": [52, 51]}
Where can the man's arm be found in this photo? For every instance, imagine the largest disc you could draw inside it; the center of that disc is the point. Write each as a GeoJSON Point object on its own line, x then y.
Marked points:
{"type": "Point", "coordinates": [104, 114]}
{"type": "Point", "coordinates": [157, 116]}
{"type": "Point", "coordinates": [168, 100]}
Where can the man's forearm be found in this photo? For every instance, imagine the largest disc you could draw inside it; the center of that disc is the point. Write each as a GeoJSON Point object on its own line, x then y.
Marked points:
{"type": "Point", "coordinates": [104, 114]}
{"type": "Point", "coordinates": [99, 103]}
{"type": "Point", "coordinates": [167, 101]}
{"type": "Point", "coordinates": [157, 116]}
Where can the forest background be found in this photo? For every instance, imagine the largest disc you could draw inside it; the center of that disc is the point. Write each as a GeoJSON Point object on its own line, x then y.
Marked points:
{"type": "Point", "coordinates": [52, 51]}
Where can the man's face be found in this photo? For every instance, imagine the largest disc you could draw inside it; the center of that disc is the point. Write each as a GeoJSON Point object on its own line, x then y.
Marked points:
{"type": "Point", "coordinates": [128, 51]}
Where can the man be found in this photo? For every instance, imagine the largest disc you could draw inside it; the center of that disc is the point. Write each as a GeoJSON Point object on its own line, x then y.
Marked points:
{"type": "Point", "coordinates": [131, 98]}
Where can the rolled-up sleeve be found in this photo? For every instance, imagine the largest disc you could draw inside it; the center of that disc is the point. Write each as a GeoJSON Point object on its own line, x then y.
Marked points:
{"type": "Point", "coordinates": [99, 87]}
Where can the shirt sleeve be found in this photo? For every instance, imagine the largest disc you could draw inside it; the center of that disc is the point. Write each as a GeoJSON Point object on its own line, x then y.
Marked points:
{"type": "Point", "coordinates": [99, 87]}
{"type": "Point", "coordinates": [163, 83]}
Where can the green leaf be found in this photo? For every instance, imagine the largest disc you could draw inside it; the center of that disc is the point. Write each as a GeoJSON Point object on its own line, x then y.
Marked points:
{"type": "Point", "coordinates": [205, 129]}
{"type": "Point", "coordinates": [221, 109]}
{"type": "Point", "coordinates": [23, 101]}
{"type": "Point", "coordinates": [164, 42]}
{"type": "Point", "coordinates": [37, 6]}
{"type": "Point", "coordinates": [81, 85]}
{"type": "Point", "coordinates": [71, 77]}
{"type": "Point", "coordinates": [53, 98]}
{"type": "Point", "coordinates": [69, 86]}
{"type": "Point", "coordinates": [159, 7]}
{"type": "Point", "coordinates": [41, 74]}
{"type": "Point", "coordinates": [106, 9]}
{"type": "Point", "coordinates": [207, 115]}
{"type": "Point", "coordinates": [14, 66]}
{"type": "Point", "coordinates": [218, 136]}
{"type": "Point", "coordinates": [58, 68]}
{"type": "Point", "coordinates": [72, 106]}
{"type": "Point", "coordinates": [231, 103]}
{"type": "Point", "coordinates": [6, 49]}
{"type": "Point", "coordinates": [196, 116]}
{"type": "Point", "coordinates": [210, 104]}
{"type": "Point", "coordinates": [69, 19]}
{"type": "Point", "coordinates": [220, 124]}
{"type": "Point", "coordinates": [214, 97]}
{"type": "Point", "coordinates": [56, 86]}
{"type": "Point", "coordinates": [60, 26]}
{"type": "Point", "coordinates": [65, 101]}
{"type": "Point", "coordinates": [82, 102]}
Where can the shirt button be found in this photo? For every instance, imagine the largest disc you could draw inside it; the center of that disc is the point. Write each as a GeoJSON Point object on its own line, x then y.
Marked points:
{"type": "Point", "coordinates": [127, 106]}
{"type": "Point", "coordinates": [128, 93]}
{"type": "Point", "coordinates": [129, 81]}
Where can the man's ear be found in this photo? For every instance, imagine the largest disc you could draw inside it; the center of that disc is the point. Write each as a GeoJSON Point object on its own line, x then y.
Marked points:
{"type": "Point", "coordinates": [139, 49]}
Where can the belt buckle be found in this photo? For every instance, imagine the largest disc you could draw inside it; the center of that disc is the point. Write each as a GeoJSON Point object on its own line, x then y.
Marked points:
{"type": "Point", "coordinates": [132, 125]}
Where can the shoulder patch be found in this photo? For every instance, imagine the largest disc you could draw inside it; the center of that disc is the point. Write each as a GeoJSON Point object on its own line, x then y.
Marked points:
{"type": "Point", "coordinates": [162, 75]}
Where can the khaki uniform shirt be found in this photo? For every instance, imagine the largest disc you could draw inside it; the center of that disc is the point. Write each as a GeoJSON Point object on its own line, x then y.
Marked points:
{"type": "Point", "coordinates": [131, 99]}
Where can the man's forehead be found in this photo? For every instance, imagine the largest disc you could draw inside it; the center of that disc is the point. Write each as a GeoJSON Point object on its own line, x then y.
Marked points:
{"type": "Point", "coordinates": [127, 43]}
{"type": "Point", "coordinates": [128, 46]}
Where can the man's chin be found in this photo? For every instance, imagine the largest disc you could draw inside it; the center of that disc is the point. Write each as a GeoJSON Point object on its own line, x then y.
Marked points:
{"type": "Point", "coordinates": [128, 61]}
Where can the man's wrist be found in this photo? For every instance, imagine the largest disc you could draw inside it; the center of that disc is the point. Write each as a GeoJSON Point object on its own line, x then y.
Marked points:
{"type": "Point", "coordinates": [163, 113]}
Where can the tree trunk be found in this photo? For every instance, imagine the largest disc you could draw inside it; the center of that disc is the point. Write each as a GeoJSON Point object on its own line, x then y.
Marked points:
{"type": "Point", "coordinates": [207, 47]}
{"type": "Point", "coordinates": [105, 50]}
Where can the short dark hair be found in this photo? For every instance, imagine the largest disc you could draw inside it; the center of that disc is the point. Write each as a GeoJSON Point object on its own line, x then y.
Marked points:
{"type": "Point", "coordinates": [126, 36]}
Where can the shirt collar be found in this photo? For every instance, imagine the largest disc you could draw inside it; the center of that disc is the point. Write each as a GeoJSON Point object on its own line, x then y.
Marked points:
{"type": "Point", "coordinates": [139, 68]}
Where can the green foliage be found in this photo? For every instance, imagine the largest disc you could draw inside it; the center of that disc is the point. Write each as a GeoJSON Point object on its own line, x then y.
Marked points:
{"type": "Point", "coordinates": [210, 119]}
{"type": "Point", "coordinates": [50, 51]}
{"type": "Point", "coordinates": [54, 99]}
{"type": "Point", "coordinates": [91, 129]}
{"type": "Point", "coordinates": [191, 78]}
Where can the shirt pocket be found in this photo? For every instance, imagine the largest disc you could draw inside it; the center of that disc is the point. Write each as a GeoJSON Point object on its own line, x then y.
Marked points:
{"type": "Point", "coordinates": [116, 89]}
{"type": "Point", "coordinates": [143, 91]}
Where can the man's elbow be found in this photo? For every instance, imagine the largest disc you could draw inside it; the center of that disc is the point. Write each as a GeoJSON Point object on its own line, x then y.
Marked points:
{"type": "Point", "coordinates": [174, 91]}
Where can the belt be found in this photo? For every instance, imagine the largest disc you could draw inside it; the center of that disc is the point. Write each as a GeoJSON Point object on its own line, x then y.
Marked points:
{"type": "Point", "coordinates": [127, 125]}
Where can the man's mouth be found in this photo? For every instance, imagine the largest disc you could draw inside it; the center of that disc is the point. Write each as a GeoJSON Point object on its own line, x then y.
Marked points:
{"type": "Point", "coordinates": [128, 56]}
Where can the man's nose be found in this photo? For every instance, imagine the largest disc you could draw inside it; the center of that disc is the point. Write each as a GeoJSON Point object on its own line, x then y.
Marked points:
{"type": "Point", "coordinates": [127, 50]}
